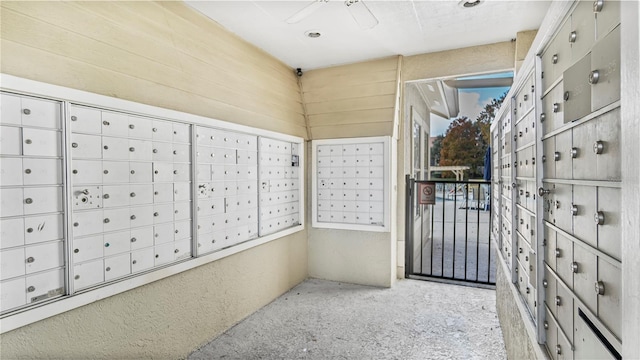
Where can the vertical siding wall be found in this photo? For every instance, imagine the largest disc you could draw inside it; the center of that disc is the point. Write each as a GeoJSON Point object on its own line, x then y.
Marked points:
{"type": "Point", "coordinates": [161, 54]}
{"type": "Point", "coordinates": [352, 100]}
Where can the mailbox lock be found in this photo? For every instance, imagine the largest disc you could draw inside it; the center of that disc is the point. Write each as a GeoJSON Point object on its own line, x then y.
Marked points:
{"type": "Point", "coordinates": [546, 325]}
{"type": "Point", "coordinates": [156, 214]}
{"type": "Point", "coordinates": [521, 221]}
{"type": "Point", "coordinates": [106, 196]}
{"type": "Point", "coordinates": [155, 151]}
{"type": "Point", "coordinates": [27, 171]}
{"type": "Point", "coordinates": [175, 152]}
{"type": "Point", "coordinates": [154, 129]}
{"type": "Point", "coordinates": [77, 277]}
{"type": "Point", "coordinates": [131, 126]}
{"type": "Point", "coordinates": [75, 171]}
{"type": "Point", "coordinates": [106, 221]}
{"type": "Point", "coordinates": [30, 230]}
{"type": "Point", "coordinates": [519, 250]}
{"type": "Point", "coordinates": [594, 77]}
{"type": "Point", "coordinates": [599, 288]}
{"type": "Point", "coordinates": [543, 192]}
{"type": "Point", "coordinates": [598, 147]}
{"type": "Point", "coordinates": [554, 58]}
{"type": "Point", "coordinates": [106, 123]}
{"type": "Point", "coordinates": [175, 171]}
{"type": "Point", "coordinates": [26, 111]}
{"type": "Point", "coordinates": [558, 253]}
{"type": "Point", "coordinates": [558, 349]}
{"type": "Point", "coordinates": [107, 269]}
{"type": "Point", "coordinates": [545, 283]}
{"type": "Point", "coordinates": [543, 116]}
{"type": "Point", "coordinates": [574, 209]}
{"type": "Point", "coordinates": [30, 259]}
{"type": "Point", "coordinates": [526, 97]}
{"type": "Point", "coordinates": [107, 244]}
{"type": "Point", "coordinates": [556, 156]}
{"type": "Point", "coordinates": [74, 118]}
{"type": "Point", "coordinates": [106, 147]}
{"type": "Point", "coordinates": [75, 224]}
{"type": "Point", "coordinates": [597, 5]}
{"type": "Point", "coordinates": [527, 194]}
{"type": "Point", "coordinates": [558, 301]}
{"type": "Point", "coordinates": [566, 96]}
{"type": "Point", "coordinates": [28, 201]}
{"type": "Point", "coordinates": [133, 217]}
{"type": "Point", "coordinates": [76, 251]}
{"type": "Point", "coordinates": [132, 194]}
{"type": "Point", "coordinates": [132, 149]}
{"type": "Point", "coordinates": [176, 251]}
{"type": "Point", "coordinates": [573, 37]}
{"type": "Point", "coordinates": [106, 172]}
{"type": "Point", "coordinates": [528, 290]}
{"type": "Point", "coordinates": [544, 158]}
{"type": "Point", "coordinates": [556, 107]}
{"type": "Point", "coordinates": [574, 267]}
{"type": "Point", "coordinates": [574, 152]}
{"type": "Point", "coordinates": [134, 262]}
{"type": "Point", "coordinates": [31, 289]}
{"type": "Point", "coordinates": [599, 218]}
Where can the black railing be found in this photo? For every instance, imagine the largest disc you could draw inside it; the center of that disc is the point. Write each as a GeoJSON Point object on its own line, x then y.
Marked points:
{"type": "Point", "coordinates": [450, 238]}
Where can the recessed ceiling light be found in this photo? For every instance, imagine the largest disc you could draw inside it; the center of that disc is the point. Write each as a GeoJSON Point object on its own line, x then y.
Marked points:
{"type": "Point", "coordinates": [469, 3]}
{"type": "Point", "coordinates": [313, 34]}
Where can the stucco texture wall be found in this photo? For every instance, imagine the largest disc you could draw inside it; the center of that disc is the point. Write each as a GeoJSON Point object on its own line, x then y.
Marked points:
{"type": "Point", "coordinates": [166, 55]}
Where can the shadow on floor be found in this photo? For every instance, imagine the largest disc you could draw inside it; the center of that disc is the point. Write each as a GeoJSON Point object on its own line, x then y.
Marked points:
{"type": "Point", "coordinates": [328, 320]}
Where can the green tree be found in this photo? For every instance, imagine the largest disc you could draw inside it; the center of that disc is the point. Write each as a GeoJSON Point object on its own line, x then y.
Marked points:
{"type": "Point", "coordinates": [436, 147]}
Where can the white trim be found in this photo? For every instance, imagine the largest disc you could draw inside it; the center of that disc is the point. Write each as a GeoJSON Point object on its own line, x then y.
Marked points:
{"type": "Point", "coordinates": [46, 309]}
{"type": "Point", "coordinates": [387, 184]}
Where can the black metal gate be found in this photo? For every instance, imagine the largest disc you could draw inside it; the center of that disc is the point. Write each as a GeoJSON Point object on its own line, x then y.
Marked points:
{"type": "Point", "coordinates": [450, 239]}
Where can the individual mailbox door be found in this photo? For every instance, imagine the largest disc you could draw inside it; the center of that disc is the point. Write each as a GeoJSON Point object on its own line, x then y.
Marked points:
{"type": "Point", "coordinates": [584, 161]}
{"type": "Point", "coordinates": [163, 233]}
{"type": "Point", "coordinates": [563, 155]}
{"type": "Point", "coordinates": [181, 211]}
{"type": "Point", "coordinates": [181, 132]}
{"type": "Point", "coordinates": [562, 209]}
{"type": "Point", "coordinates": [115, 148]}
{"type": "Point", "coordinates": [10, 140]}
{"type": "Point", "coordinates": [41, 228]}
{"type": "Point", "coordinates": [10, 107]}
{"type": "Point", "coordinates": [162, 130]}
{"type": "Point", "coordinates": [141, 238]}
{"type": "Point", "coordinates": [140, 150]}
{"type": "Point", "coordinates": [548, 161]}
{"type": "Point", "coordinates": [41, 171]}
{"type": "Point", "coordinates": [117, 243]}
{"type": "Point", "coordinates": [163, 213]}
{"type": "Point", "coordinates": [584, 268]}
{"type": "Point", "coordinates": [88, 274]}
{"type": "Point", "coordinates": [564, 301]}
{"type": "Point", "coordinates": [182, 230]}
{"type": "Point", "coordinates": [164, 254]}
{"type": "Point", "coordinates": [13, 292]}
{"type": "Point", "coordinates": [85, 120]}
{"type": "Point", "coordinates": [40, 113]}
{"type": "Point", "coordinates": [115, 195]}
{"type": "Point", "coordinates": [564, 349]}
{"type": "Point", "coordinates": [553, 109]}
{"type": "Point", "coordinates": [587, 344]}
{"type": "Point", "coordinates": [12, 263]}
{"type": "Point", "coordinates": [181, 152]}
{"type": "Point", "coordinates": [86, 171]}
{"type": "Point", "coordinates": [86, 146]}
{"type": "Point", "coordinates": [607, 17]}
{"type": "Point", "coordinates": [550, 291]}
{"type": "Point", "coordinates": [583, 209]}
{"type": "Point", "coordinates": [140, 194]}
{"type": "Point", "coordinates": [607, 147]}
{"type": "Point", "coordinates": [45, 285]}
{"type": "Point", "coordinates": [583, 30]}
{"type": "Point", "coordinates": [608, 220]}
{"type": "Point", "coordinates": [87, 222]}
{"type": "Point", "coordinates": [142, 260]}
{"type": "Point", "coordinates": [140, 127]}
{"type": "Point", "coordinates": [12, 233]}
{"type": "Point", "coordinates": [44, 257]}
{"type": "Point", "coordinates": [564, 259]}
{"type": "Point", "coordinates": [551, 331]}
{"type": "Point", "coordinates": [204, 173]}
{"type": "Point", "coordinates": [181, 172]}
{"type": "Point", "coordinates": [162, 172]}
{"type": "Point", "coordinates": [182, 250]}
{"type": "Point", "coordinates": [577, 90]}
{"type": "Point", "coordinates": [605, 71]}
{"type": "Point", "coordinates": [11, 172]}
{"type": "Point", "coordinates": [116, 219]}
{"type": "Point", "coordinates": [38, 142]}
{"type": "Point", "coordinates": [117, 266]}
{"type": "Point", "coordinates": [163, 192]}
{"type": "Point", "coordinates": [162, 152]}
{"type": "Point", "coordinates": [115, 124]}
{"type": "Point", "coordinates": [609, 292]}
{"type": "Point", "coordinates": [115, 172]}
{"type": "Point", "coordinates": [42, 200]}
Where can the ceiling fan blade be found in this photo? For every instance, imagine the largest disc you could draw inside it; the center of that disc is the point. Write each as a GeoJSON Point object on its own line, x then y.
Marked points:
{"type": "Point", "coordinates": [306, 11]}
{"type": "Point", "coordinates": [361, 14]}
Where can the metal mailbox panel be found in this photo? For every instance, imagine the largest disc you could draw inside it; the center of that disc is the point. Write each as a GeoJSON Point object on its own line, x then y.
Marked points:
{"type": "Point", "coordinates": [181, 172]}
{"type": "Point", "coordinates": [565, 312]}
{"type": "Point", "coordinates": [163, 213]}
{"type": "Point", "coordinates": [577, 90]}
{"type": "Point", "coordinates": [12, 294]}
{"type": "Point", "coordinates": [583, 210]}
{"type": "Point", "coordinates": [42, 228]}
{"type": "Point", "coordinates": [12, 263]}
{"type": "Point", "coordinates": [12, 233]}
{"type": "Point", "coordinates": [162, 152]}
{"type": "Point", "coordinates": [116, 219]}
{"type": "Point", "coordinates": [42, 200]}
{"type": "Point", "coordinates": [85, 120]}
{"type": "Point", "coordinates": [140, 127]}
{"type": "Point", "coordinates": [182, 211]}
{"type": "Point", "coordinates": [41, 171]}
{"type": "Point", "coordinates": [583, 26]}
{"type": "Point", "coordinates": [549, 164]}
{"type": "Point", "coordinates": [140, 194]}
{"type": "Point", "coordinates": [605, 61]}
{"type": "Point", "coordinates": [607, 18]}
{"type": "Point", "coordinates": [162, 172]}
{"type": "Point", "coordinates": [40, 113]}
{"type": "Point", "coordinates": [86, 172]}
{"type": "Point", "coordinates": [162, 130]}
{"type": "Point", "coordinates": [10, 171]}
{"type": "Point", "coordinates": [115, 124]}
{"type": "Point", "coordinates": [564, 349]}
{"type": "Point", "coordinates": [38, 142]}
{"type": "Point", "coordinates": [140, 150]}
{"type": "Point", "coordinates": [163, 233]}
{"type": "Point", "coordinates": [11, 109]}
{"type": "Point", "coordinates": [550, 291]}
{"type": "Point", "coordinates": [609, 206]}
{"type": "Point", "coordinates": [587, 344]}
{"type": "Point", "coordinates": [117, 243]}
{"type": "Point", "coordinates": [584, 276]}
{"type": "Point", "coordinates": [182, 230]}
{"type": "Point", "coordinates": [45, 285]}
{"type": "Point", "coordinates": [10, 141]}
{"type": "Point", "coordinates": [564, 259]}
{"type": "Point", "coordinates": [608, 135]}
{"type": "Point", "coordinates": [88, 274]}
{"type": "Point", "coordinates": [182, 250]}
{"type": "Point", "coordinates": [117, 266]}
{"type": "Point", "coordinates": [551, 246]}
{"type": "Point", "coordinates": [115, 148]}
{"type": "Point", "coordinates": [115, 172]}
{"type": "Point", "coordinates": [142, 260]}
{"type": "Point", "coordinates": [181, 132]}
{"type": "Point", "coordinates": [115, 195]}
{"type": "Point", "coordinates": [561, 208]}
{"type": "Point", "coordinates": [164, 254]}
{"type": "Point", "coordinates": [551, 330]}
{"type": "Point", "coordinates": [163, 192]}
{"type": "Point", "coordinates": [141, 238]}
{"type": "Point", "coordinates": [584, 163]}
{"type": "Point", "coordinates": [609, 303]}
{"type": "Point", "coordinates": [553, 109]}
{"type": "Point", "coordinates": [87, 222]}
{"type": "Point", "coordinates": [44, 257]}
{"type": "Point", "coordinates": [563, 155]}
{"type": "Point", "coordinates": [86, 146]}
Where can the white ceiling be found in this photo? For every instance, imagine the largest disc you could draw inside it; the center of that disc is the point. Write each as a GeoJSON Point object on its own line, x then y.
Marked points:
{"type": "Point", "coordinates": [405, 27]}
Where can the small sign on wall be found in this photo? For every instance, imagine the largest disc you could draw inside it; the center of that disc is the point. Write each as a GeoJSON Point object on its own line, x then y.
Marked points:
{"type": "Point", "coordinates": [427, 193]}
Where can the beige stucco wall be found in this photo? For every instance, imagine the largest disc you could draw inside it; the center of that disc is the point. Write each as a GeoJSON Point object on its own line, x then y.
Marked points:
{"type": "Point", "coordinates": [167, 55]}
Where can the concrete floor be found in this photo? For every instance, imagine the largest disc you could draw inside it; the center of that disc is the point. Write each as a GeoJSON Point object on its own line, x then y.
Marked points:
{"type": "Point", "coordinates": [327, 320]}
